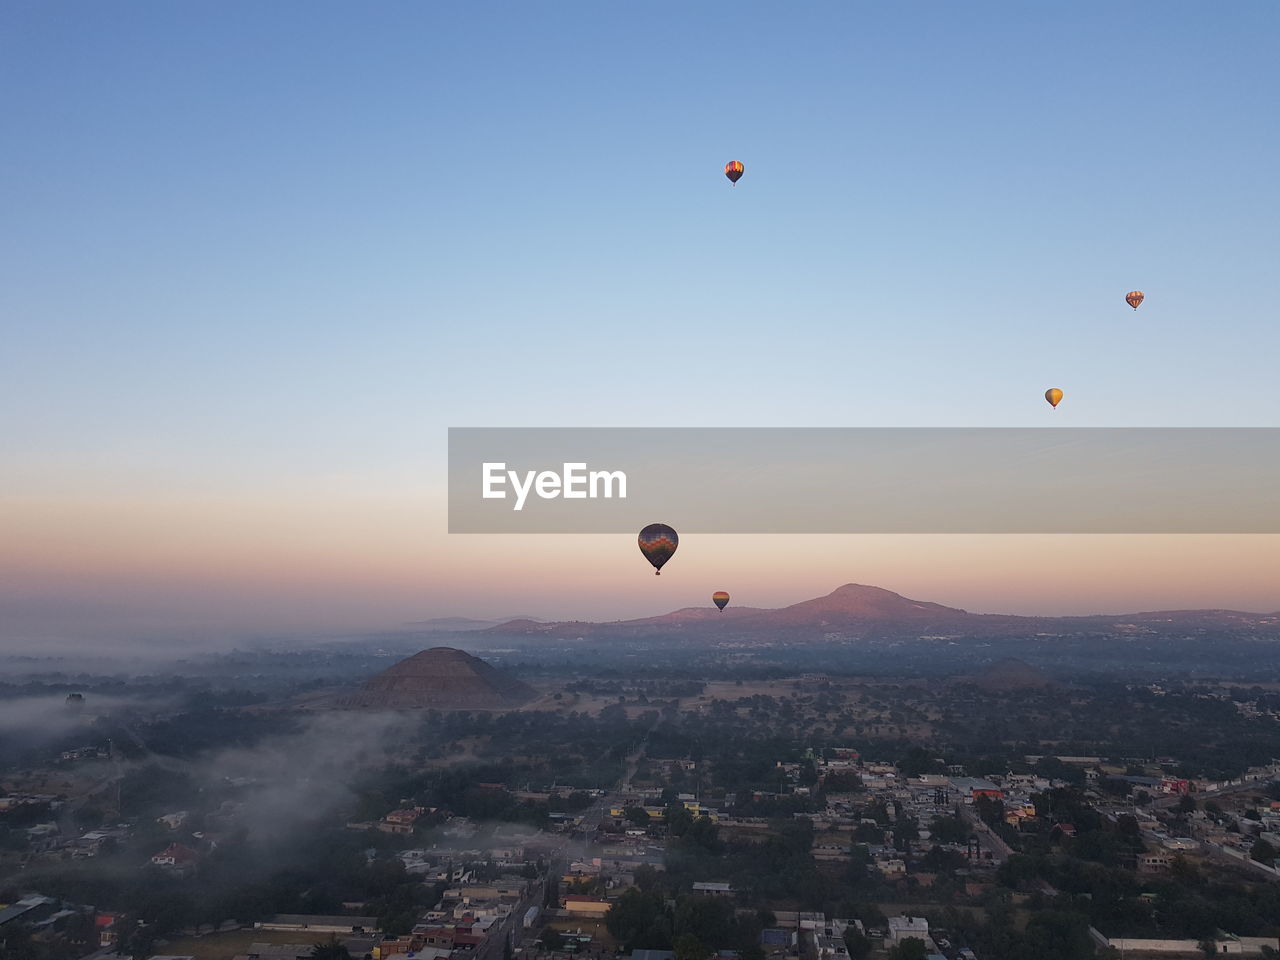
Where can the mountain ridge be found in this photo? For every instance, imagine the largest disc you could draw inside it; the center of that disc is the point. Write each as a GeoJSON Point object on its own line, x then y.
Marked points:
{"type": "Point", "coordinates": [861, 610]}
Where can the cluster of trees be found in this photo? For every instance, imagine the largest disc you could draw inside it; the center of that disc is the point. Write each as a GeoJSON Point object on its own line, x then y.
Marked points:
{"type": "Point", "coordinates": [1096, 839]}
{"type": "Point", "coordinates": [842, 781]}
{"type": "Point", "coordinates": [695, 927]}
{"type": "Point", "coordinates": [231, 883]}
{"type": "Point", "coordinates": [74, 938]}
{"type": "Point", "coordinates": [571, 749]}
{"type": "Point", "coordinates": [1183, 904]}
{"type": "Point", "coordinates": [1102, 717]}
{"type": "Point", "coordinates": [1049, 934]}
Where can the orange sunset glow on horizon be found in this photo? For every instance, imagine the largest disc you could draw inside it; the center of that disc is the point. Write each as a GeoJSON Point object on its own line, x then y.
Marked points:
{"type": "Point", "coordinates": [224, 569]}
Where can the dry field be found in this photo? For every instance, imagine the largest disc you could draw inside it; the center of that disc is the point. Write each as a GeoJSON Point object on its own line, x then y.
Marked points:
{"type": "Point", "coordinates": [224, 946]}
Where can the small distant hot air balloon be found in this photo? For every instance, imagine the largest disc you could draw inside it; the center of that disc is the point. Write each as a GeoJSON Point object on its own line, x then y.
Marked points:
{"type": "Point", "coordinates": [720, 599]}
{"type": "Point", "coordinates": [733, 170]}
{"type": "Point", "coordinates": [1134, 298]}
{"type": "Point", "coordinates": [658, 542]}
{"type": "Point", "coordinates": [1054, 396]}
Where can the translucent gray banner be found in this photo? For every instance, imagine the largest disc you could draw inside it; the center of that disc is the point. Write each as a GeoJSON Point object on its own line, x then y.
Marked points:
{"type": "Point", "coordinates": [865, 480]}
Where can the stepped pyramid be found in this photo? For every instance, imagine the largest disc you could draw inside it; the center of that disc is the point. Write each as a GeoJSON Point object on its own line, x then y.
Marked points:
{"type": "Point", "coordinates": [441, 678]}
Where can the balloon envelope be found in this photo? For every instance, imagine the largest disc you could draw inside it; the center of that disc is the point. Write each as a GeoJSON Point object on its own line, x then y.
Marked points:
{"type": "Point", "coordinates": [658, 542]}
{"type": "Point", "coordinates": [1134, 298]}
{"type": "Point", "coordinates": [733, 170]}
{"type": "Point", "coordinates": [1054, 396]}
{"type": "Point", "coordinates": [720, 599]}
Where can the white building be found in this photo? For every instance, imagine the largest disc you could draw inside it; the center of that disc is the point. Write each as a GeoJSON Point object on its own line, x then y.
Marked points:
{"type": "Point", "coordinates": [901, 928]}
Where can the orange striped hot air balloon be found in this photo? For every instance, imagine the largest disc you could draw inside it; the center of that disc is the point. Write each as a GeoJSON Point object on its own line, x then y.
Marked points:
{"type": "Point", "coordinates": [733, 170]}
{"type": "Point", "coordinates": [1134, 298]}
{"type": "Point", "coordinates": [720, 599]}
{"type": "Point", "coordinates": [1054, 396]}
{"type": "Point", "coordinates": [658, 542]}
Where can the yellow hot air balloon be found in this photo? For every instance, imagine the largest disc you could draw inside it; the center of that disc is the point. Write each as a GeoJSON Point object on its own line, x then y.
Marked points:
{"type": "Point", "coordinates": [1054, 396]}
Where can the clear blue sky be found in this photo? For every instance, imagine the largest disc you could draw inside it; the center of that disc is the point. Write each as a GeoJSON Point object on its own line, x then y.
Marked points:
{"type": "Point", "coordinates": [249, 242]}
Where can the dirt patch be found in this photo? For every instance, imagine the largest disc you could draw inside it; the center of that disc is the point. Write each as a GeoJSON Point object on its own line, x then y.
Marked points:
{"type": "Point", "coordinates": [224, 946]}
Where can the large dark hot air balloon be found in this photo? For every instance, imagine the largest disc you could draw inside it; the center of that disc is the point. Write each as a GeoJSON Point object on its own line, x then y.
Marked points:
{"type": "Point", "coordinates": [720, 599]}
{"type": "Point", "coordinates": [1134, 298]}
{"type": "Point", "coordinates": [658, 542]}
{"type": "Point", "coordinates": [733, 170]}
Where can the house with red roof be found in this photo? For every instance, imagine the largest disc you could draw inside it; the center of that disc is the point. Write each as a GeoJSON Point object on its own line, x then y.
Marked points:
{"type": "Point", "coordinates": [176, 857]}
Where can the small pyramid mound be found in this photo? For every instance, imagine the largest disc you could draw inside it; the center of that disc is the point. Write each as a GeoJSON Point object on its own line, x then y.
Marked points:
{"type": "Point", "coordinates": [442, 678]}
{"type": "Point", "coordinates": [1012, 674]}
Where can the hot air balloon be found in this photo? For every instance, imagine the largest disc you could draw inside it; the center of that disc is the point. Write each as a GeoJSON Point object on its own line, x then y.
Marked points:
{"type": "Point", "coordinates": [1054, 396]}
{"type": "Point", "coordinates": [733, 170]}
{"type": "Point", "coordinates": [720, 599]}
{"type": "Point", "coordinates": [1134, 298]}
{"type": "Point", "coordinates": [658, 542]}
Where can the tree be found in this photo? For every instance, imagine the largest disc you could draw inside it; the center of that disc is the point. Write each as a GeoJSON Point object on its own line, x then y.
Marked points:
{"type": "Point", "coordinates": [689, 947]}
{"type": "Point", "coordinates": [1058, 935]}
{"type": "Point", "coordinates": [1263, 852]}
{"type": "Point", "coordinates": [552, 939]}
{"type": "Point", "coordinates": [857, 943]}
{"type": "Point", "coordinates": [638, 919]}
{"type": "Point", "coordinates": [704, 833]}
{"type": "Point", "coordinates": [16, 943]}
{"type": "Point", "coordinates": [1018, 869]}
{"type": "Point", "coordinates": [646, 877]}
{"type": "Point", "coordinates": [396, 924]}
{"type": "Point", "coordinates": [942, 860]}
{"type": "Point", "coordinates": [1184, 870]}
{"type": "Point", "coordinates": [949, 830]}
{"type": "Point", "coordinates": [708, 919]}
{"type": "Point", "coordinates": [868, 833]}
{"type": "Point", "coordinates": [842, 781]}
{"type": "Point", "coordinates": [911, 948]}
{"type": "Point", "coordinates": [134, 939]}
{"type": "Point", "coordinates": [330, 950]}
{"type": "Point", "coordinates": [679, 819]}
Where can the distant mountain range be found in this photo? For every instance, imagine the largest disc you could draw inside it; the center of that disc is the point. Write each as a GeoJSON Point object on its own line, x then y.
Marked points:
{"type": "Point", "coordinates": [460, 624]}
{"type": "Point", "coordinates": [856, 611]}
